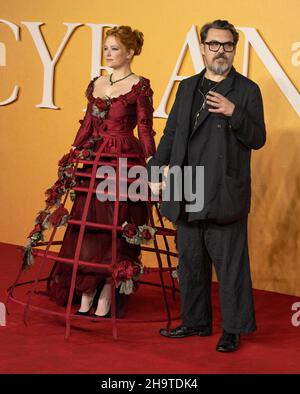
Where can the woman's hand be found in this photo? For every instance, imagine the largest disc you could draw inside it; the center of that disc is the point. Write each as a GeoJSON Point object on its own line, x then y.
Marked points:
{"type": "Point", "coordinates": [156, 187]}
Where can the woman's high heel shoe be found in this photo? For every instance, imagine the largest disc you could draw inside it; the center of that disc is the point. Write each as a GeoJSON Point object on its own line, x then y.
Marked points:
{"type": "Point", "coordinates": [94, 302]}
{"type": "Point", "coordinates": [108, 314]}
{"type": "Point", "coordinates": [120, 307]}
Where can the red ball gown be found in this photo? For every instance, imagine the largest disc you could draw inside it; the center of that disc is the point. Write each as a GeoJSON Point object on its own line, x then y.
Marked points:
{"type": "Point", "coordinates": [108, 125]}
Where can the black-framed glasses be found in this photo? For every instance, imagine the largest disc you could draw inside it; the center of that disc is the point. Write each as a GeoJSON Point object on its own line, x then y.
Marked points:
{"type": "Point", "coordinates": [214, 46]}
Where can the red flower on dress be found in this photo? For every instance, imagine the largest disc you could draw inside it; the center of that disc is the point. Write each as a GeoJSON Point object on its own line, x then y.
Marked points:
{"type": "Point", "coordinates": [146, 234]}
{"type": "Point", "coordinates": [69, 183]}
{"type": "Point", "coordinates": [68, 171]}
{"type": "Point", "coordinates": [85, 153]}
{"type": "Point", "coordinates": [147, 90]}
{"type": "Point", "coordinates": [41, 216]}
{"type": "Point", "coordinates": [102, 105]}
{"type": "Point", "coordinates": [143, 88]}
{"type": "Point", "coordinates": [138, 234]}
{"type": "Point", "coordinates": [88, 144]}
{"type": "Point", "coordinates": [52, 196]}
{"type": "Point", "coordinates": [64, 160]}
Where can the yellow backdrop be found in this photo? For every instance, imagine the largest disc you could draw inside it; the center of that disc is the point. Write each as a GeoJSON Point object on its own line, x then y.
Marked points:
{"type": "Point", "coordinates": [33, 139]}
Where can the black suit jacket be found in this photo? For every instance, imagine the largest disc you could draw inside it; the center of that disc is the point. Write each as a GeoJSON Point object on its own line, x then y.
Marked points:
{"type": "Point", "coordinates": [235, 136]}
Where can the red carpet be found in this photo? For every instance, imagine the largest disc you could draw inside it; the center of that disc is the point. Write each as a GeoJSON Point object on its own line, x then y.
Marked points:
{"type": "Point", "coordinates": [41, 348]}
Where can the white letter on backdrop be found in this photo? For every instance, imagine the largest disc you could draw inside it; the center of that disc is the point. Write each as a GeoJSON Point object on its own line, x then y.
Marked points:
{"type": "Point", "coordinates": [191, 42]}
{"type": "Point", "coordinates": [97, 33]}
{"type": "Point", "coordinates": [15, 29]}
{"type": "Point", "coordinates": [48, 62]}
{"type": "Point", "coordinates": [288, 89]}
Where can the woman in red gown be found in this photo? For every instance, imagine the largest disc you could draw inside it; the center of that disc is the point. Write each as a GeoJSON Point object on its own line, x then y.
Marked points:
{"type": "Point", "coordinates": [116, 105]}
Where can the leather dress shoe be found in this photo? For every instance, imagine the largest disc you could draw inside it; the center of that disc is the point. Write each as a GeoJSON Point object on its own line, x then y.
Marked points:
{"type": "Point", "coordinates": [183, 331]}
{"type": "Point", "coordinates": [228, 342]}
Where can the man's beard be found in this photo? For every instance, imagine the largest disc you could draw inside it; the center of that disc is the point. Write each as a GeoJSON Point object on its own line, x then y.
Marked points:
{"type": "Point", "coordinates": [219, 69]}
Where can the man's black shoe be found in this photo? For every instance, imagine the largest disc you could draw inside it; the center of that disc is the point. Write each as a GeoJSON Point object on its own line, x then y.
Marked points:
{"type": "Point", "coordinates": [183, 331]}
{"type": "Point", "coordinates": [228, 342]}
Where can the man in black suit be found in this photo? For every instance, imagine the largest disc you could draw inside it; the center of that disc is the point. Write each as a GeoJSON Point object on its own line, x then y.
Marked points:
{"type": "Point", "coordinates": [216, 120]}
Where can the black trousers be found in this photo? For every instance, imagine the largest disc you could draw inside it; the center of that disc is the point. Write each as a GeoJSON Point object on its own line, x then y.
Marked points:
{"type": "Point", "coordinates": [201, 243]}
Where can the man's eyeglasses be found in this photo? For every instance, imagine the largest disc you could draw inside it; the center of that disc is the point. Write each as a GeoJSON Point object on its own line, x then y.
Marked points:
{"type": "Point", "coordinates": [214, 46]}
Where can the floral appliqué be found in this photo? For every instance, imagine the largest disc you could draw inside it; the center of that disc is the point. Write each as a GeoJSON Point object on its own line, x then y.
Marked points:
{"type": "Point", "coordinates": [138, 235]}
{"type": "Point", "coordinates": [101, 107]}
{"type": "Point", "coordinates": [124, 274]}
